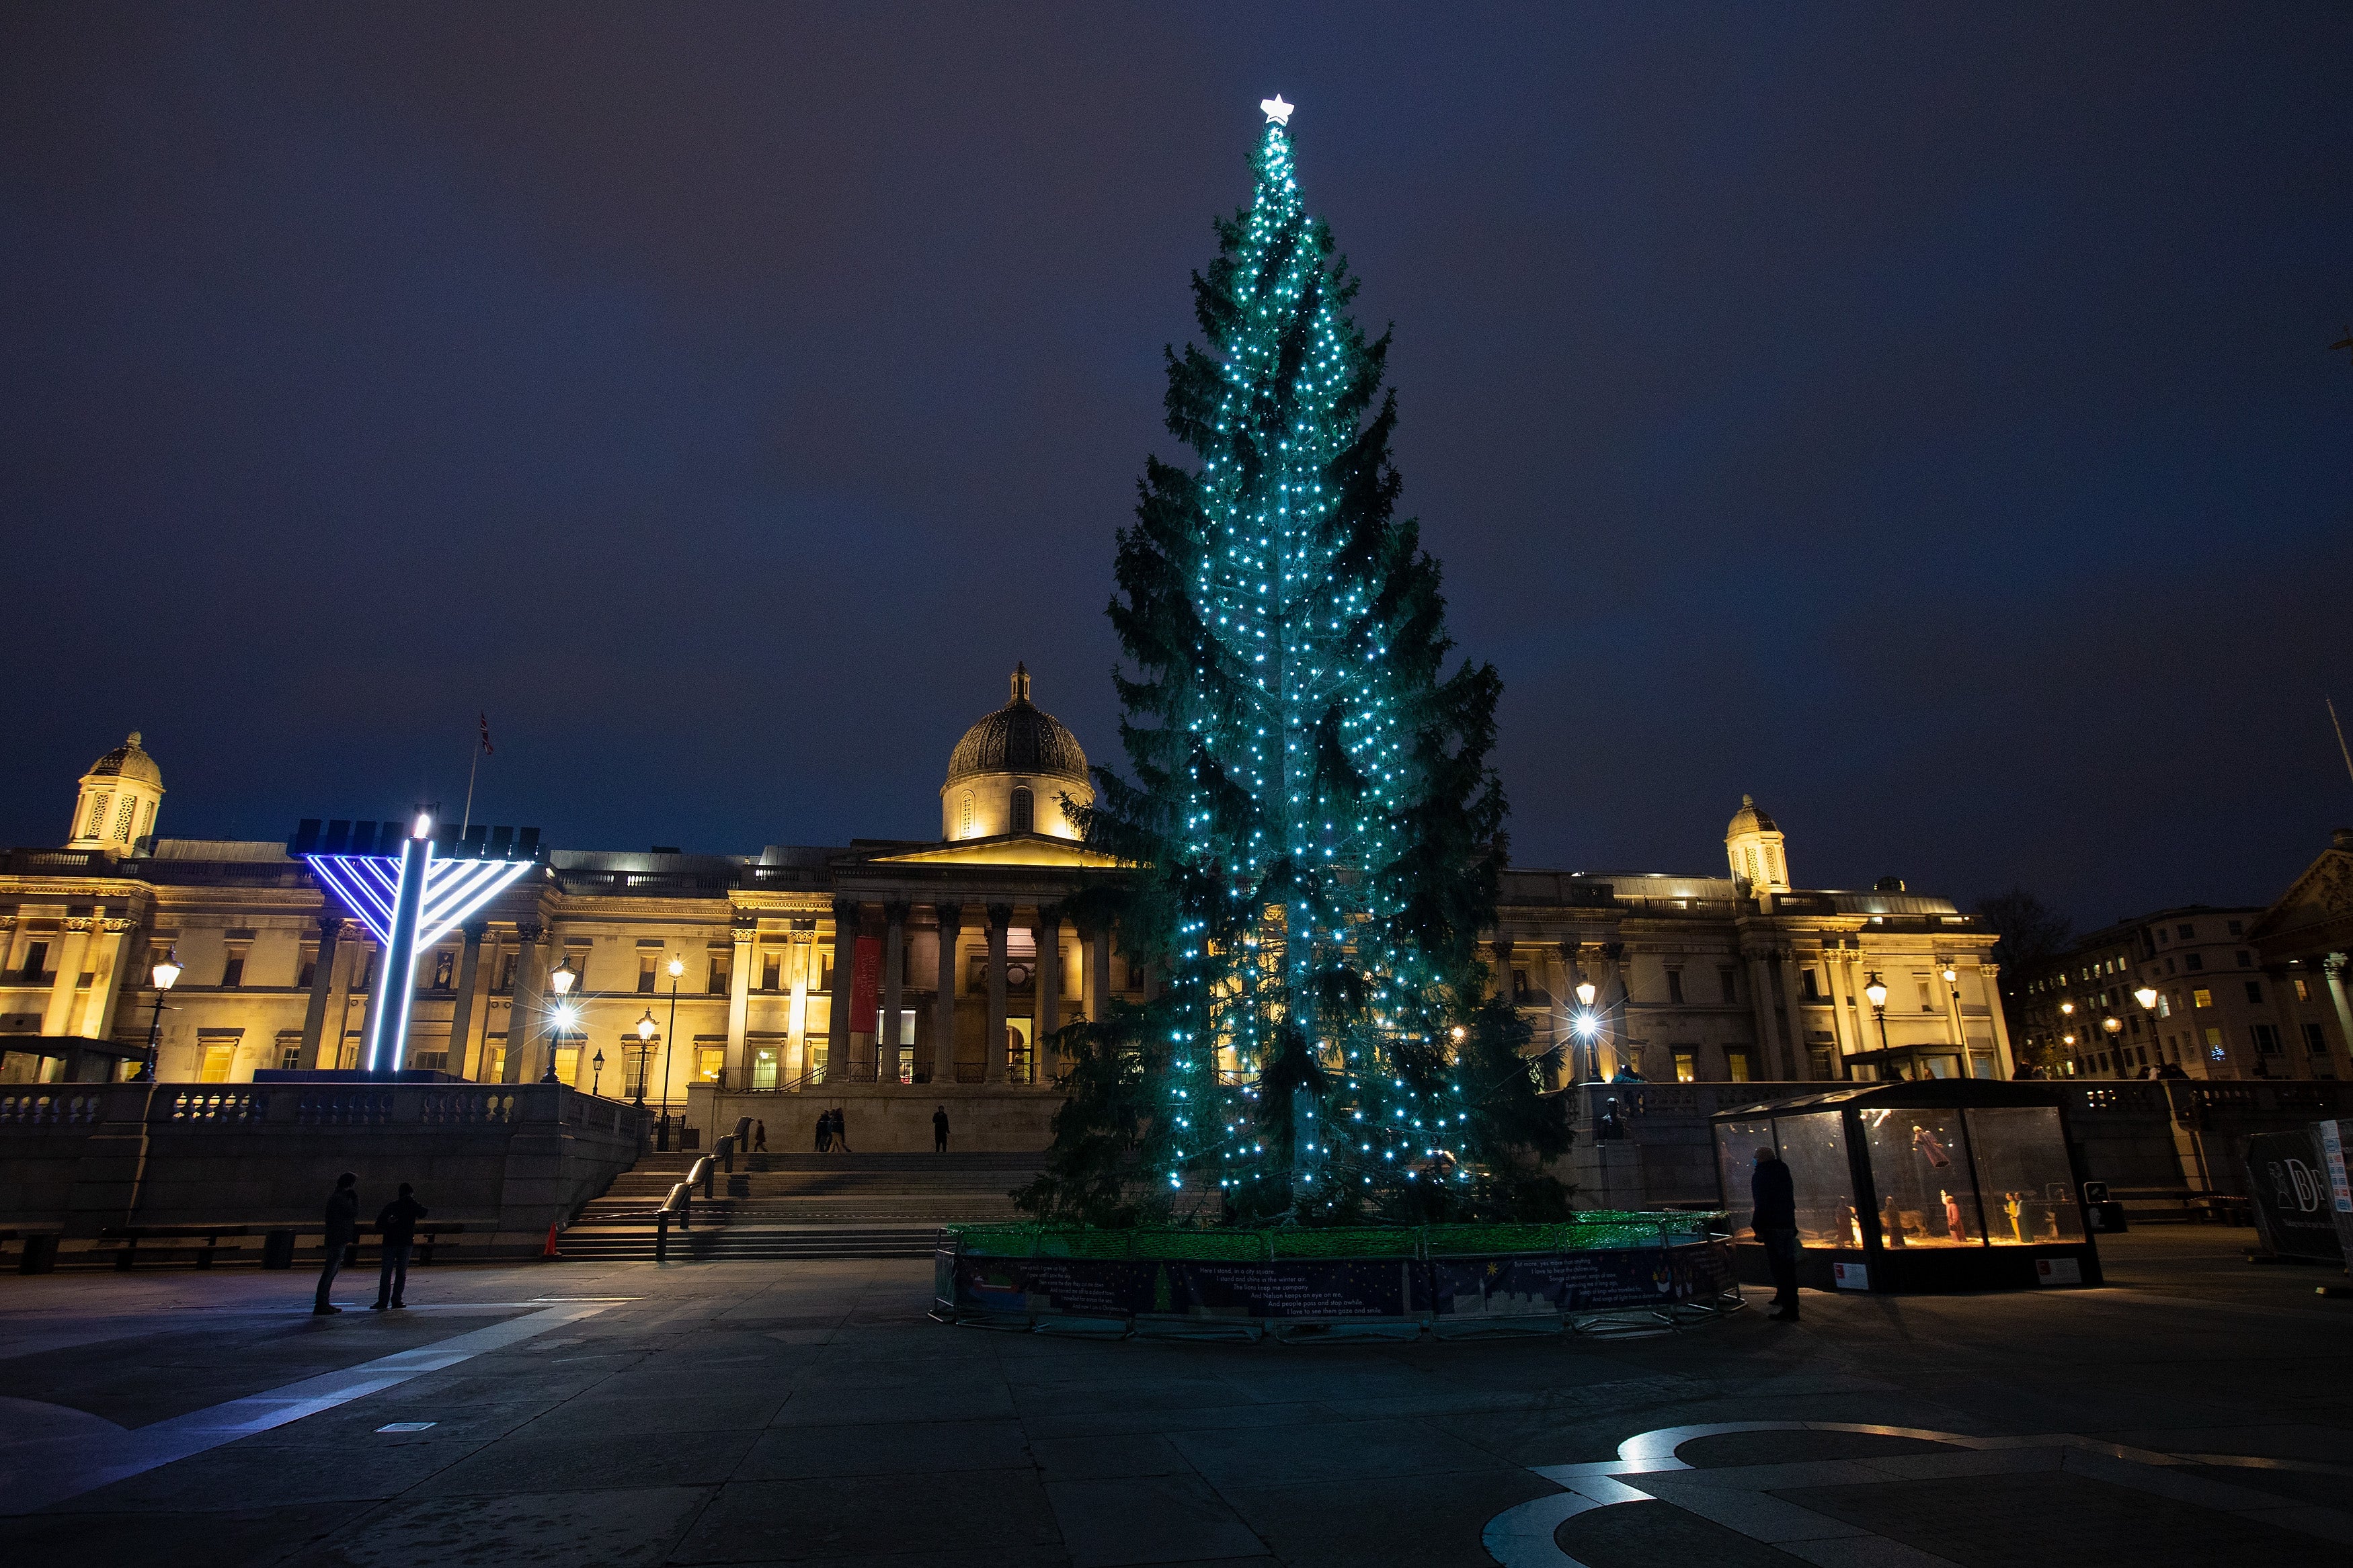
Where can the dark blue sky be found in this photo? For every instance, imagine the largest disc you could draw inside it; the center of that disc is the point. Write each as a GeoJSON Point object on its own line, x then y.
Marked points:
{"type": "Point", "coordinates": [1921, 418]}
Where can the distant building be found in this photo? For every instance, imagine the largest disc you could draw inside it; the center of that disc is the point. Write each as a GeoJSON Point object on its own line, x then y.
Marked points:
{"type": "Point", "coordinates": [972, 946]}
{"type": "Point", "coordinates": [2241, 993]}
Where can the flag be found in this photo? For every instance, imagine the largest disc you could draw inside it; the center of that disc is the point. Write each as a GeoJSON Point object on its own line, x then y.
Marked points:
{"type": "Point", "coordinates": [486, 733]}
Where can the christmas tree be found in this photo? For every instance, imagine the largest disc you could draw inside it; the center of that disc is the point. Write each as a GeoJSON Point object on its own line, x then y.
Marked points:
{"type": "Point", "coordinates": [1319, 830]}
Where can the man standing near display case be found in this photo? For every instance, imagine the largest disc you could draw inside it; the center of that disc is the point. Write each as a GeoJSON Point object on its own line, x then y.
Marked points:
{"type": "Point", "coordinates": [1775, 1198]}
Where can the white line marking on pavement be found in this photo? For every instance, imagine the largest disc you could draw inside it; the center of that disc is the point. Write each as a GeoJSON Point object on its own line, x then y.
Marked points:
{"type": "Point", "coordinates": [35, 1475]}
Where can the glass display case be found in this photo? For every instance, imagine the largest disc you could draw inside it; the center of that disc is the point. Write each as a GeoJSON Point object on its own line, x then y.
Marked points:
{"type": "Point", "coordinates": [1939, 1184]}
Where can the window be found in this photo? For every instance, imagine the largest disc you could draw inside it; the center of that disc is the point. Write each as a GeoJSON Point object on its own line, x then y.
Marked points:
{"type": "Point", "coordinates": [444, 972]}
{"type": "Point", "coordinates": [2202, 998]}
{"type": "Point", "coordinates": [2314, 1041]}
{"type": "Point", "coordinates": [2194, 961]}
{"type": "Point", "coordinates": [824, 972]}
{"type": "Point", "coordinates": [307, 969]}
{"type": "Point", "coordinates": [964, 821]}
{"type": "Point", "coordinates": [1927, 997]}
{"type": "Point", "coordinates": [710, 1061]}
{"type": "Point", "coordinates": [2214, 1044]}
{"type": "Point", "coordinates": [430, 1061]}
{"type": "Point", "coordinates": [2238, 929]}
{"type": "Point", "coordinates": [232, 976]}
{"type": "Point", "coordinates": [764, 1063]}
{"type": "Point", "coordinates": [1686, 1064]}
{"type": "Point", "coordinates": [37, 962]}
{"type": "Point", "coordinates": [716, 982]}
{"type": "Point", "coordinates": [1820, 1056]}
{"type": "Point", "coordinates": [122, 818]}
{"type": "Point", "coordinates": [771, 970]}
{"type": "Point", "coordinates": [505, 986]}
{"type": "Point", "coordinates": [363, 968]}
{"type": "Point", "coordinates": [1728, 979]}
{"type": "Point", "coordinates": [645, 974]}
{"type": "Point", "coordinates": [1675, 989]}
{"type": "Point", "coordinates": [2186, 933]}
{"type": "Point", "coordinates": [2267, 1041]}
{"type": "Point", "coordinates": [2246, 959]}
{"type": "Point", "coordinates": [290, 1057]}
{"type": "Point", "coordinates": [218, 1061]}
{"type": "Point", "coordinates": [2303, 991]}
{"type": "Point", "coordinates": [97, 817]}
{"type": "Point", "coordinates": [1519, 984]}
{"type": "Point", "coordinates": [1023, 810]}
{"type": "Point", "coordinates": [1809, 986]}
{"type": "Point", "coordinates": [1735, 1065]}
{"type": "Point", "coordinates": [2255, 991]}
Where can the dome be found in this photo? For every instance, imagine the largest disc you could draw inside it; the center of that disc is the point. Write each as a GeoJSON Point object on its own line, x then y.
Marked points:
{"type": "Point", "coordinates": [1751, 819]}
{"type": "Point", "coordinates": [1018, 738]}
{"type": "Point", "coordinates": [127, 761]}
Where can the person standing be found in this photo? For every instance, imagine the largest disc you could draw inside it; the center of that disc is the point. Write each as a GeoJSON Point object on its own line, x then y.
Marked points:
{"type": "Point", "coordinates": [1775, 1197]}
{"type": "Point", "coordinates": [823, 1131]}
{"type": "Point", "coordinates": [342, 1229]}
{"type": "Point", "coordinates": [759, 1137]}
{"type": "Point", "coordinates": [397, 1227]}
{"type": "Point", "coordinates": [841, 1130]}
{"type": "Point", "coordinates": [940, 1131]}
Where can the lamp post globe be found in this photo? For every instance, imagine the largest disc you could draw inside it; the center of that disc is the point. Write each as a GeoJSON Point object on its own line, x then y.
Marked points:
{"type": "Point", "coordinates": [165, 974]}
{"type": "Point", "coordinates": [677, 967]}
{"type": "Point", "coordinates": [644, 1049]}
{"type": "Point", "coordinates": [1876, 990]}
{"type": "Point", "coordinates": [564, 978]}
{"type": "Point", "coordinates": [596, 1070]}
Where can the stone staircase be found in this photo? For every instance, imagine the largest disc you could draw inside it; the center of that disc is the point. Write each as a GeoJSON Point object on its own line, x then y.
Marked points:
{"type": "Point", "coordinates": [804, 1206]}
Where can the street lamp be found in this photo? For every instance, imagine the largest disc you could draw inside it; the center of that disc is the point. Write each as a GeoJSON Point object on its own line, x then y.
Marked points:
{"type": "Point", "coordinates": [563, 979]}
{"type": "Point", "coordinates": [166, 974]}
{"type": "Point", "coordinates": [2114, 1026]}
{"type": "Point", "coordinates": [644, 1049]}
{"type": "Point", "coordinates": [677, 969]}
{"type": "Point", "coordinates": [596, 1069]}
{"type": "Point", "coordinates": [1877, 991]}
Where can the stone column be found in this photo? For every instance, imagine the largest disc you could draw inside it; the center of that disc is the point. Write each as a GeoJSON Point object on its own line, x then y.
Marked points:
{"type": "Point", "coordinates": [113, 948]}
{"type": "Point", "coordinates": [847, 913]}
{"type": "Point", "coordinates": [1048, 933]}
{"type": "Point", "coordinates": [1615, 1015]}
{"type": "Point", "coordinates": [461, 1012]}
{"type": "Point", "coordinates": [525, 1028]}
{"type": "Point", "coordinates": [1801, 1051]}
{"type": "Point", "coordinates": [327, 980]}
{"type": "Point", "coordinates": [58, 1016]}
{"type": "Point", "coordinates": [1000, 921]}
{"type": "Point", "coordinates": [1099, 963]}
{"type": "Point", "coordinates": [943, 1040]}
{"type": "Point", "coordinates": [735, 1069]}
{"type": "Point", "coordinates": [894, 984]}
{"type": "Point", "coordinates": [1502, 948]}
{"type": "Point", "coordinates": [1761, 1000]}
{"type": "Point", "coordinates": [2005, 1064]}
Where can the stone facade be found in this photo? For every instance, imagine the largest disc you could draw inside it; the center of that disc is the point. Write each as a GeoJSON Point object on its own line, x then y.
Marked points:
{"type": "Point", "coordinates": [976, 952]}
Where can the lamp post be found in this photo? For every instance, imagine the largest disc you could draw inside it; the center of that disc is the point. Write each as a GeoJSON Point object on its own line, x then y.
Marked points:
{"type": "Point", "coordinates": [1877, 992]}
{"type": "Point", "coordinates": [2146, 996]}
{"type": "Point", "coordinates": [2066, 1035]}
{"type": "Point", "coordinates": [644, 1049]}
{"type": "Point", "coordinates": [677, 969]}
{"type": "Point", "coordinates": [166, 974]}
{"type": "Point", "coordinates": [596, 1070]}
{"type": "Point", "coordinates": [1585, 1028]}
{"type": "Point", "coordinates": [563, 979]}
{"type": "Point", "coordinates": [1960, 1035]}
{"type": "Point", "coordinates": [2114, 1026]}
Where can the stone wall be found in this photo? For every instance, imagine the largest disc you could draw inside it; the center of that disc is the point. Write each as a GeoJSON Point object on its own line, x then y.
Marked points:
{"type": "Point", "coordinates": [506, 1160]}
{"type": "Point", "coordinates": [885, 1117]}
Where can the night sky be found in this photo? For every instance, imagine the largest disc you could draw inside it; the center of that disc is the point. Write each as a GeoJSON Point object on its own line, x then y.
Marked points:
{"type": "Point", "coordinates": [1923, 420]}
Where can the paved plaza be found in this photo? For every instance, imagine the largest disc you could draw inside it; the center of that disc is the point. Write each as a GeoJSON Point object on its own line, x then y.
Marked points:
{"type": "Point", "coordinates": [2196, 1411]}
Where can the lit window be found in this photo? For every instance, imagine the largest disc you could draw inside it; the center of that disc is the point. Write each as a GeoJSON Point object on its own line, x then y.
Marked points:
{"type": "Point", "coordinates": [2202, 998]}
{"type": "Point", "coordinates": [1023, 810]}
{"type": "Point", "coordinates": [963, 829]}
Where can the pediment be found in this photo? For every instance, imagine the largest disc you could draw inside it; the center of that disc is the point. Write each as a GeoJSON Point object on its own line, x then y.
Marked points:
{"type": "Point", "coordinates": [1003, 849]}
{"type": "Point", "coordinates": [2320, 899]}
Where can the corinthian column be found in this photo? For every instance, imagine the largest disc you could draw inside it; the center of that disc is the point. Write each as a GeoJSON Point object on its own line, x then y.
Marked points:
{"type": "Point", "coordinates": [943, 1040]}
{"type": "Point", "coordinates": [1000, 921]}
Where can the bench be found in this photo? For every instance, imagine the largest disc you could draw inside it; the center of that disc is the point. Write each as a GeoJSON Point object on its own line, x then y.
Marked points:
{"type": "Point", "coordinates": [277, 1241]}
{"type": "Point", "coordinates": [40, 1254]}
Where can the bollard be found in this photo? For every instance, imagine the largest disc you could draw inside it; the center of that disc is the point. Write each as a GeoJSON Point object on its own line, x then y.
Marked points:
{"type": "Point", "coordinates": [278, 1250]}
{"type": "Point", "coordinates": [40, 1254]}
{"type": "Point", "coordinates": [661, 1236]}
{"type": "Point", "coordinates": [726, 1151]}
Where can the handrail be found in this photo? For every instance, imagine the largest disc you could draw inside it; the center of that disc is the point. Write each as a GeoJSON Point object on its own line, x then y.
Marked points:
{"type": "Point", "coordinates": [681, 1205]}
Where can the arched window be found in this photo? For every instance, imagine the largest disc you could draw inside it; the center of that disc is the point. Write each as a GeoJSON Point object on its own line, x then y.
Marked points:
{"type": "Point", "coordinates": [1022, 810]}
{"type": "Point", "coordinates": [964, 827]}
{"type": "Point", "coordinates": [97, 818]}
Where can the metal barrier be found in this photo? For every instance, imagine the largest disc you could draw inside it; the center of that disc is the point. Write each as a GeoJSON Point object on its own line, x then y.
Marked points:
{"type": "Point", "coordinates": [681, 1205]}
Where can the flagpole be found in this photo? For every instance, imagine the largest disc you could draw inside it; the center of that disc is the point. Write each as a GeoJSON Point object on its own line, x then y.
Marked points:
{"type": "Point", "coordinates": [469, 819]}
{"type": "Point", "coordinates": [2340, 736]}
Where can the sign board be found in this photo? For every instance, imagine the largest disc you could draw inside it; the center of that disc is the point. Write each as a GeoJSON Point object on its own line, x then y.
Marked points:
{"type": "Point", "coordinates": [865, 985]}
{"type": "Point", "coordinates": [2058, 1272]}
{"type": "Point", "coordinates": [2287, 1186]}
{"type": "Point", "coordinates": [1850, 1276]}
{"type": "Point", "coordinates": [2095, 1192]}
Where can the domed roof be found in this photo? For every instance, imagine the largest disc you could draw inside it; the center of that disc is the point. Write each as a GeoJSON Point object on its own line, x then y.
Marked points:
{"type": "Point", "coordinates": [1751, 819]}
{"type": "Point", "coordinates": [1018, 738]}
{"type": "Point", "coordinates": [129, 761]}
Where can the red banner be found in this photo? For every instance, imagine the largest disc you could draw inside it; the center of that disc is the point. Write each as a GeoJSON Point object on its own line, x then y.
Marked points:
{"type": "Point", "coordinates": [866, 985]}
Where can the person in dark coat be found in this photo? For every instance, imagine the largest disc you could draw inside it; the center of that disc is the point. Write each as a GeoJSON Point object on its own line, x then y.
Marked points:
{"type": "Point", "coordinates": [1775, 1196]}
{"type": "Point", "coordinates": [940, 1131]}
{"type": "Point", "coordinates": [342, 1229]}
{"type": "Point", "coordinates": [824, 1131]}
{"type": "Point", "coordinates": [759, 1137]}
{"type": "Point", "coordinates": [397, 1226]}
{"type": "Point", "coordinates": [841, 1130]}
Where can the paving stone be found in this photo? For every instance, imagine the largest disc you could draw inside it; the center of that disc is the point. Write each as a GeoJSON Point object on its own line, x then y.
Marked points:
{"type": "Point", "coordinates": [612, 1529]}
{"type": "Point", "coordinates": [885, 1448]}
{"type": "Point", "coordinates": [1148, 1518]}
{"type": "Point", "coordinates": [985, 1510]}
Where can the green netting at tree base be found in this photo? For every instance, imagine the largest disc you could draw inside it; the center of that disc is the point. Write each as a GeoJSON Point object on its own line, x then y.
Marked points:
{"type": "Point", "coordinates": [1595, 1229]}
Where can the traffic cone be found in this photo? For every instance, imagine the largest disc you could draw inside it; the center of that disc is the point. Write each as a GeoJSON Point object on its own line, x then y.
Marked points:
{"type": "Point", "coordinates": [554, 1225]}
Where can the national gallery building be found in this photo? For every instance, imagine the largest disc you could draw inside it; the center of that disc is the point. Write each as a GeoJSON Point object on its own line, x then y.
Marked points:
{"type": "Point", "coordinates": [893, 963]}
